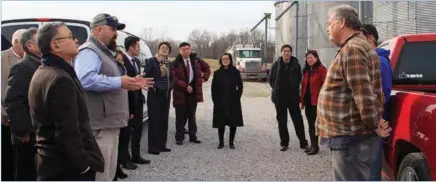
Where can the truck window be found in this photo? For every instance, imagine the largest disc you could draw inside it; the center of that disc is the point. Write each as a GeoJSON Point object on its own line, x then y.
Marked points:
{"type": "Point", "coordinates": [249, 54]}
{"type": "Point", "coordinates": [416, 64]}
{"type": "Point", "coordinates": [81, 33]}
{"type": "Point", "coordinates": [8, 30]}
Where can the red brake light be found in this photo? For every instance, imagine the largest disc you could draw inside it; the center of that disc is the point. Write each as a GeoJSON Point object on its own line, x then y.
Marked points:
{"type": "Point", "coordinates": [43, 19]}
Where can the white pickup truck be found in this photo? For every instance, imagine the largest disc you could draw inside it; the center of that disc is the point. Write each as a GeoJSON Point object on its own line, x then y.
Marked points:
{"type": "Point", "coordinates": [81, 29]}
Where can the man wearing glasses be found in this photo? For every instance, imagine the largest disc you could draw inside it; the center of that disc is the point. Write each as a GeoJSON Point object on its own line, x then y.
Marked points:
{"type": "Point", "coordinates": [17, 107]}
{"type": "Point", "coordinates": [105, 89]}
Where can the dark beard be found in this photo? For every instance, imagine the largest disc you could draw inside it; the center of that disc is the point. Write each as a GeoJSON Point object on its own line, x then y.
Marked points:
{"type": "Point", "coordinates": [112, 45]}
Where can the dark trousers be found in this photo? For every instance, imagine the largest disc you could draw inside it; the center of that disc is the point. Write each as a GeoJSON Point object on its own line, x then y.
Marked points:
{"type": "Point", "coordinates": [221, 131]}
{"type": "Point", "coordinates": [7, 155]}
{"type": "Point", "coordinates": [297, 119]}
{"type": "Point", "coordinates": [24, 162]}
{"type": "Point", "coordinates": [184, 114]}
{"type": "Point", "coordinates": [132, 133]}
{"type": "Point", "coordinates": [158, 111]}
{"type": "Point", "coordinates": [310, 111]}
{"type": "Point", "coordinates": [69, 176]}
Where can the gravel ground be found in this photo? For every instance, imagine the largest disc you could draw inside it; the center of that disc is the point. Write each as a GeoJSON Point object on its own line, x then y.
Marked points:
{"type": "Point", "coordinates": [256, 157]}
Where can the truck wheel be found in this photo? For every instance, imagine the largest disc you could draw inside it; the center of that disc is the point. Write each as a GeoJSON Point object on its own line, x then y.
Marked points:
{"type": "Point", "coordinates": [414, 167]}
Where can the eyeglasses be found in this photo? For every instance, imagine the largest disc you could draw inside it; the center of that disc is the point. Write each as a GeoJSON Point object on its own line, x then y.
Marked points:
{"type": "Point", "coordinates": [72, 37]}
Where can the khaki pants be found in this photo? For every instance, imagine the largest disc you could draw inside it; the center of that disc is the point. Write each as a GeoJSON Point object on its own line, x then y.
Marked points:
{"type": "Point", "coordinates": [107, 140]}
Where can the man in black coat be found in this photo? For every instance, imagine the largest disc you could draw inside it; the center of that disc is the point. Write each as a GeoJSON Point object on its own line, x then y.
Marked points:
{"type": "Point", "coordinates": [17, 107]}
{"type": "Point", "coordinates": [284, 79]}
{"type": "Point", "coordinates": [66, 147]}
{"type": "Point", "coordinates": [133, 131]}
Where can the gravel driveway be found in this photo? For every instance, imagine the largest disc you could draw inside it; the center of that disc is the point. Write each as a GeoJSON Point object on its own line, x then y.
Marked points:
{"type": "Point", "coordinates": [256, 157]}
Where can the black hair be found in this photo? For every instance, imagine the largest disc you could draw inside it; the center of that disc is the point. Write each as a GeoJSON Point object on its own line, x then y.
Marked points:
{"type": "Point", "coordinates": [286, 46]}
{"type": "Point", "coordinates": [230, 57]}
{"type": "Point", "coordinates": [130, 41]}
{"type": "Point", "coordinates": [369, 29]}
{"type": "Point", "coordinates": [318, 62]}
{"type": "Point", "coordinates": [183, 44]}
{"type": "Point", "coordinates": [164, 43]}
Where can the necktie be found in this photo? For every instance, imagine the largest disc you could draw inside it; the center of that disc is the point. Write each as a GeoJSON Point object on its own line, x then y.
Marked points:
{"type": "Point", "coordinates": [188, 70]}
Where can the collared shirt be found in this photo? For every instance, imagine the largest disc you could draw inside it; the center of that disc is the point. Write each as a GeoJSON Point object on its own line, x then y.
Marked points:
{"type": "Point", "coordinates": [132, 62]}
{"type": "Point", "coordinates": [350, 102]}
{"type": "Point", "coordinates": [87, 66]}
{"type": "Point", "coordinates": [191, 72]}
{"type": "Point", "coordinates": [18, 56]}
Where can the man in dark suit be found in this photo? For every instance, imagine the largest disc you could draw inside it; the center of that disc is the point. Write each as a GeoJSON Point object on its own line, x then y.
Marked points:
{"type": "Point", "coordinates": [10, 57]}
{"type": "Point", "coordinates": [17, 107]}
{"type": "Point", "coordinates": [66, 147]}
{"type": "Point", "coordinates": [133, 131]}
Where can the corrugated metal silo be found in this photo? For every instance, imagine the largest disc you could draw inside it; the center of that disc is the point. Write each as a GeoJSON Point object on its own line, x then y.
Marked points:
{"type": "Point", "coordinates": [404, 17]}
{"type": "Point", "coordinates": [318, 38]}
{"type": "Point", "coordinates": [286, 28]}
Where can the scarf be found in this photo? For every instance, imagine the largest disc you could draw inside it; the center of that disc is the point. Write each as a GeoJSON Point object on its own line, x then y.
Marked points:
{"type": "Point", "coordinates": [162, 61]}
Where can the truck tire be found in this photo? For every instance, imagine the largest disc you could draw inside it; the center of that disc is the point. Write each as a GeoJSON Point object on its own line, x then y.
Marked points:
{"type": "Point", "coordinates": [414, 167]}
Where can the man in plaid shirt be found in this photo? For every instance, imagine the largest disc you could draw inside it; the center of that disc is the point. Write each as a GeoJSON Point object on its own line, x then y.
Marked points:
{"type": "Point", "coordinates": [350, 103]}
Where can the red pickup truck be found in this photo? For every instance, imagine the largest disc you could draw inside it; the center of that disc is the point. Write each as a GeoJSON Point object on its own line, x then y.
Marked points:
{"type": "Point", "coordinates": [410, 151]}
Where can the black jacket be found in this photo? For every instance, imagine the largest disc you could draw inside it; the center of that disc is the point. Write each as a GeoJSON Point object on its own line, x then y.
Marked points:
{"type": "Point", "coordinates": [16, 98]}
{"type": "Point", "coordinates": [136, 98]}
{"type": "Point", "coordinates": [227, 90]}
{"type": "Point", "coordinates": [295, 75]}
{"type": "Point", "coordinates": [64, 142]}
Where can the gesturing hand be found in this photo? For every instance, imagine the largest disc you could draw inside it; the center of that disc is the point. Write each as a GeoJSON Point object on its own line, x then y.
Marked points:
{"type": "Point", "coordinates": [144, 83]}
{"type": "Point", "coordinates": [129, 83]}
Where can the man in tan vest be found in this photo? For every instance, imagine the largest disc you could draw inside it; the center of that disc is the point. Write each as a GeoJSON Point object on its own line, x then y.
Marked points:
{"type": "Point", "coordinates": [9, 58]}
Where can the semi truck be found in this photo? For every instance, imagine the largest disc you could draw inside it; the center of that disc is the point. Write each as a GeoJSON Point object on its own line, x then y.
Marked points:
{"type": "Point", "coordinates": [246, 58]}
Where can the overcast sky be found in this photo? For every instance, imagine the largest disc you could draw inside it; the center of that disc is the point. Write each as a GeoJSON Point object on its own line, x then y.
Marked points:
{"type": "Point", "coordinates": [177, 18]}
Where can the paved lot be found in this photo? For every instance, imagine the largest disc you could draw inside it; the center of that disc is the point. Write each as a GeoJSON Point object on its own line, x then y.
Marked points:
{"type": "Point", "coordinates": [256, 157]}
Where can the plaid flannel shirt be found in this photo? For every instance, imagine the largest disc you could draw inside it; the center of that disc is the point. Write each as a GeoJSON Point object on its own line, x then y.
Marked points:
{"type": "Point", "coordinates": [351, 100]}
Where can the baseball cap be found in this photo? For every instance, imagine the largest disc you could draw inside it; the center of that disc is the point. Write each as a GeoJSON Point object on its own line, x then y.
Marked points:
{"type": "Point", "coordinates": [106, 19]}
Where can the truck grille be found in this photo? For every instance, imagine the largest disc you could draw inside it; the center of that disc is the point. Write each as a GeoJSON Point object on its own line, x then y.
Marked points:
{"type": "Point", "coordinates": [252, 66]}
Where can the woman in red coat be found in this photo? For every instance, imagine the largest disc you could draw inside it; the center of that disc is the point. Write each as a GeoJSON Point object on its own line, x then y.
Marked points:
{"type": "Point", "coordinates": [314, 74]}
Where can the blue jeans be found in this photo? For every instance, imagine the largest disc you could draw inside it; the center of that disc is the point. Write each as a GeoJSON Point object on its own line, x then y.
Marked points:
{"type": "Point", "coordinates": [376, 165]}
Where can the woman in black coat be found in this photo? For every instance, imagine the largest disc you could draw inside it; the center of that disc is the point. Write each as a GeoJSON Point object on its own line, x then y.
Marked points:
{"type": "Point", "coordinates": [226, 95]}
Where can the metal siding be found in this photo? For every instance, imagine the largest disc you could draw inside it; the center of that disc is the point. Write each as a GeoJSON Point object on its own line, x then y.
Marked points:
{"type": "Point", "coordinates": [405, 17]}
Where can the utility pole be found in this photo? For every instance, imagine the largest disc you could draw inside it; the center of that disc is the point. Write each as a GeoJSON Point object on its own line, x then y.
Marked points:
{"type": "Point", "coordinates": [266, 17]}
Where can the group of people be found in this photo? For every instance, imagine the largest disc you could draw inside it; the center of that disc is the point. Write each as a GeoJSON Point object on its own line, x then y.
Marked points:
{"type": "Point", "coordinates": [346, 104]}
{"type": "Point", "coordinates": [76, 109]}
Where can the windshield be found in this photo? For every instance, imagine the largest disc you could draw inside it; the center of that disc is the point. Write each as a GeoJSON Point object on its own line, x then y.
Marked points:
{"type": "Point", "coordinates": [416, 64]}
{"type": "Point", "coordinates": [249, 54]}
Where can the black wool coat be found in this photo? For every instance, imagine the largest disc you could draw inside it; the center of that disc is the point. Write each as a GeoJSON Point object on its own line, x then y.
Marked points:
{"type": "Point", "coordinates": [227, 102]}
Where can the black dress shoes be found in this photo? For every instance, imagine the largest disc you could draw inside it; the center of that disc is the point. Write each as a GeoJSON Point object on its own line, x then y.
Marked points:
{"type": "Point", "coordinates": [140, 160]}
{"type": "Point", "coordinates": [220, 146]}
{"type": "Point", "coordinates": [165, 150]}
{"type": "Point", "coordinates": [129, 165]}
{"type": "Point", "coordinates": [313, 151]}
{"type": "Point", "coordinates": [179, 142]}
{"type": "Point", "coordinates": [195, 141]}
{"type": "Point", "coordinates": [120, 174]}
{"type": "Point", "coordinates": [284, 148]}
{"type": "Point", "coordinates": [231, 146]}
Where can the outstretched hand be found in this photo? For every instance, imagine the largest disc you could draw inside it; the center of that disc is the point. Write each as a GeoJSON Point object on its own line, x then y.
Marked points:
{"type": "Point", "coordinates": [144, 83]}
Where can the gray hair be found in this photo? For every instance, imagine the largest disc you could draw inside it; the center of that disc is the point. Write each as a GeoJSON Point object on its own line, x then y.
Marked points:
{"type": "Point", "coordinates": [46, 34]}
{"type": "Point", "coordinates": [17, 35]}
{"type": "Point", "coordinates": [350, 14]}
{"type": "Point", "coordinates": [26, 36]}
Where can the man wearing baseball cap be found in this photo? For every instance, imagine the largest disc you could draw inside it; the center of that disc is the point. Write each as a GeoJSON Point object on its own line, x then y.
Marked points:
{"type": "Point", "coordinates": [105, 88]}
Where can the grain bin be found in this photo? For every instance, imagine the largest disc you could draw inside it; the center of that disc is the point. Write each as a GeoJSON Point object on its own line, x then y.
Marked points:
{"type": "Point", "coordinates": [318, 38]}
{"type": "Point", "coordinates": [291, 28]}
{"type": "Point", "coordinates": [404, 17]}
